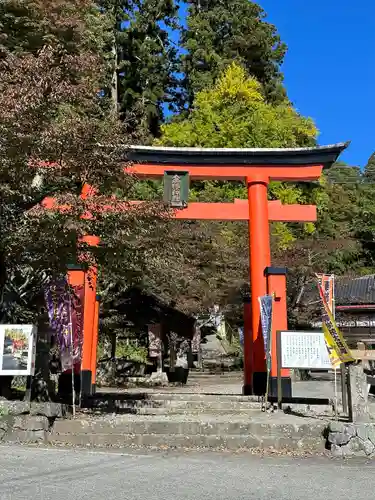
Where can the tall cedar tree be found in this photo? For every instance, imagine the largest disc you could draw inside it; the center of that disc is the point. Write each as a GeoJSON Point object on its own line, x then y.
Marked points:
{"type": "Point", "coordinates": [222, 31]}
{"type": "Point", "coordinates": [55, 136]}
{"type": "Point", "coordinates": [144, 60]}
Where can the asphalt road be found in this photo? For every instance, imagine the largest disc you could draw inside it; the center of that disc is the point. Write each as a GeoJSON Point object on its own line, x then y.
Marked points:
{"type": "Point", "coordinates": [37, 474]}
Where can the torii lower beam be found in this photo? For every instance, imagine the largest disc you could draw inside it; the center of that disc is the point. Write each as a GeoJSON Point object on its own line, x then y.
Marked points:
{"type": "Point", "coordinates": [239, 211]}
{"type": "Point", "coordinates": [236, 211]}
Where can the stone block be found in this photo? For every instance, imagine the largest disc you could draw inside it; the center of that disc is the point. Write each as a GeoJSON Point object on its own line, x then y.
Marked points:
{"type": "Point", "coordinates": [356, 445]}
{"type": "Point", "coordinates": [336, 451]}
{"type": "Point", "coordinates": [166, 427]}
{"type": "Point", "coordinates": [371, 433]}
{"type": "Point", "coordinates": [347, 450]}
{"type": "Point", "coordinates": [26, 436]}
{"type": "Point", "coordinates": [315, 429]}
{"type": "Point", "coordinates": [339, 438]}
{"type": "Point", "coordinates": [342, 436]}
{"type": "Point", "coordinates": [336, 426]}
{"type": "Point", "coordinates": [368, 448]}
{"type": "Point", "coordinates": [362, 431]}
{"type": "Point", "coordinates": [5, 424]}
{"type": "Point", "coordinates": [351, 430]}
{"type": "Point", "coordinates": [72, 439]}
{"type": "Point", "coordinates": [49, 410]}
{"type": "Point", "coordinates": [31, 423]}
{"type": "Point", "coordinates": [14, 407]}
{"type": "Point", "coordinates": [359, 408]}
{"type": "Point", "coordinates": [311, 444]}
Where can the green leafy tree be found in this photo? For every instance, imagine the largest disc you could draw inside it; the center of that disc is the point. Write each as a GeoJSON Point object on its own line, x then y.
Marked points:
{"type": "Point", "coordinates": [234, 113]}
{"type": "Point", "coordinates": [222, 31]}
{"type": "Point", "coordinates": [370, 169]}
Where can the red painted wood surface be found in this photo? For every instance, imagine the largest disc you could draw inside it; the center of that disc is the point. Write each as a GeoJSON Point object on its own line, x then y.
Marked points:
{"type": "Point", "coordinates": [238, 210]}
{"type": "Point", "coordinates": [231, 172]}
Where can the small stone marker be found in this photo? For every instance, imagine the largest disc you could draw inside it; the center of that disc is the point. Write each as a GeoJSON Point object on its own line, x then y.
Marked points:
{"type": "Point", "coordinates": [358, 394]}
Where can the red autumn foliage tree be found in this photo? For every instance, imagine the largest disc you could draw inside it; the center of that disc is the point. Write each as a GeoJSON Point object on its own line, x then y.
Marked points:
{"type": "Point", "coordinates": [56, 135]}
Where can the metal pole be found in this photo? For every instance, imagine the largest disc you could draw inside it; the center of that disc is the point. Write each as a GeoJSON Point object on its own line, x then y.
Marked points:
{"type": "Point", "coordinates": [278, 361]}
{"type": "Point", "coordinates": [344, 388]}
{"type": "Point", "coordinates": [350, 402]}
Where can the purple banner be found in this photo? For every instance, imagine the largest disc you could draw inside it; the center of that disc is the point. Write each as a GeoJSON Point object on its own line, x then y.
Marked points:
{"type": "Point", "coordinates": [65, 311]}
{"type": "Point", "coordinates": [77, 321]}
{"type": "Point", "coordinates": [266, 306]}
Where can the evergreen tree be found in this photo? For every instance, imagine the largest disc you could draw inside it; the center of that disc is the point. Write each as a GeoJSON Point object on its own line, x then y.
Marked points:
{"type": "Point", "coordinates": [221, 31]}
{"type": "Point", "coordinates": [144, 60]}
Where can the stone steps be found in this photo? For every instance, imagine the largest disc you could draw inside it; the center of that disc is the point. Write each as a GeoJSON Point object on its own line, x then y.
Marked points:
{"type": "Point", "coordinates": [189, 432]}
{"type": "Point", "coordinates": [171, 396]}
{"type": "Point", "coordinates": [161, 403]}
{"type": "Point", "coordinates": [189, 405]}
{"type": "Point", "coordinates": [164, 404]}
{"type": "Point", "coordinates": [183, 411]}
{"type": "Point", "coordinates": [207, 375]}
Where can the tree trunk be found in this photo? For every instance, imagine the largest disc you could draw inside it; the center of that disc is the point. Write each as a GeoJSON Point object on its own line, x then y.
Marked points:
{"type": "Point", "coordinates": [114, 82]}
{"type": "Point", "coordinates": [109, 365]}
{"type": "Point", "coordinates": [42, 387]}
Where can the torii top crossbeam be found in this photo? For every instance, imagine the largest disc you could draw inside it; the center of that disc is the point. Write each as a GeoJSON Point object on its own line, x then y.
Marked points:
{"type": "Point", "coordinates": [289, 164]}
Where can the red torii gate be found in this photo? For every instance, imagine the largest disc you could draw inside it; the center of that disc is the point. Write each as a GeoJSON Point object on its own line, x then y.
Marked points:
{"type": "Point", "coordinates": [257, 167]}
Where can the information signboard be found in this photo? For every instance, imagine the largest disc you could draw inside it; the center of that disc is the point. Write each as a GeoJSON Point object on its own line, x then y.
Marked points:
{"type": "Point", "coordinates": [305, 350]}
{"type": "Point", "coordinates": [17, 349]}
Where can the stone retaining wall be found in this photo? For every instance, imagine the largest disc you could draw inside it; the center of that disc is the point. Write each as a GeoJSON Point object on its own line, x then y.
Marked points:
{"type": "Point", "coordinates": [22, 422]}
{"type": "Point", "coordinates": [46, 423]}
{"type": "Point", "coordinates": [347, 440]}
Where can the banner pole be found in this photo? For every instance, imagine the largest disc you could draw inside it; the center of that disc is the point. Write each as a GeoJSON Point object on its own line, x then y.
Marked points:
{"type": "Point", "coordinates": [267, 389]}
{"type": "Point", "coordinates": [72, 352]}
{"type": "Point", "coordinates": [336, 413]}
{"type": "Point", "coordinates": [278, 362]}
{"type": "Point", "coordinates": [267, 337]}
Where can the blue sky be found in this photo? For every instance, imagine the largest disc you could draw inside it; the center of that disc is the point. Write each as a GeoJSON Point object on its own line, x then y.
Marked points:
{"type": "Point", "coordinates": [330, 67]}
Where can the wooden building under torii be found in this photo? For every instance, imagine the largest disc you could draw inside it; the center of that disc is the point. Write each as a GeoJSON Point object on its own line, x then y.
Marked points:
{"type": "Point", "coordinates": [256, 168]}
{"type": "Point", "coordinates": [354, 308]}
{"type": "Point", "coordinates": [139, 311]}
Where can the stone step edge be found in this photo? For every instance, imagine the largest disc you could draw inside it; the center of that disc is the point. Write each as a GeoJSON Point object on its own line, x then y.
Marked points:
{"type": "Point", "coordinates": [144, 396]}
{"type": "Point", "coordinates": [192, 404]}
{"type": "Point", "coordinates": [165, 403]}
{"type": "Point", "coordinates": [162, 426]}
{"type": "Point", "coordinates": [198, 441]}
{"type": "Point", "coordinates": [213, 413]}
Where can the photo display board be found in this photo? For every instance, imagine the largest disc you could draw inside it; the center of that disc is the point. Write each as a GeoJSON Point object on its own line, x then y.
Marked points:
{"type": "Point", "coordinates": [17, 349]}
{"type": "Point", "coordinates": [304, 350]}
